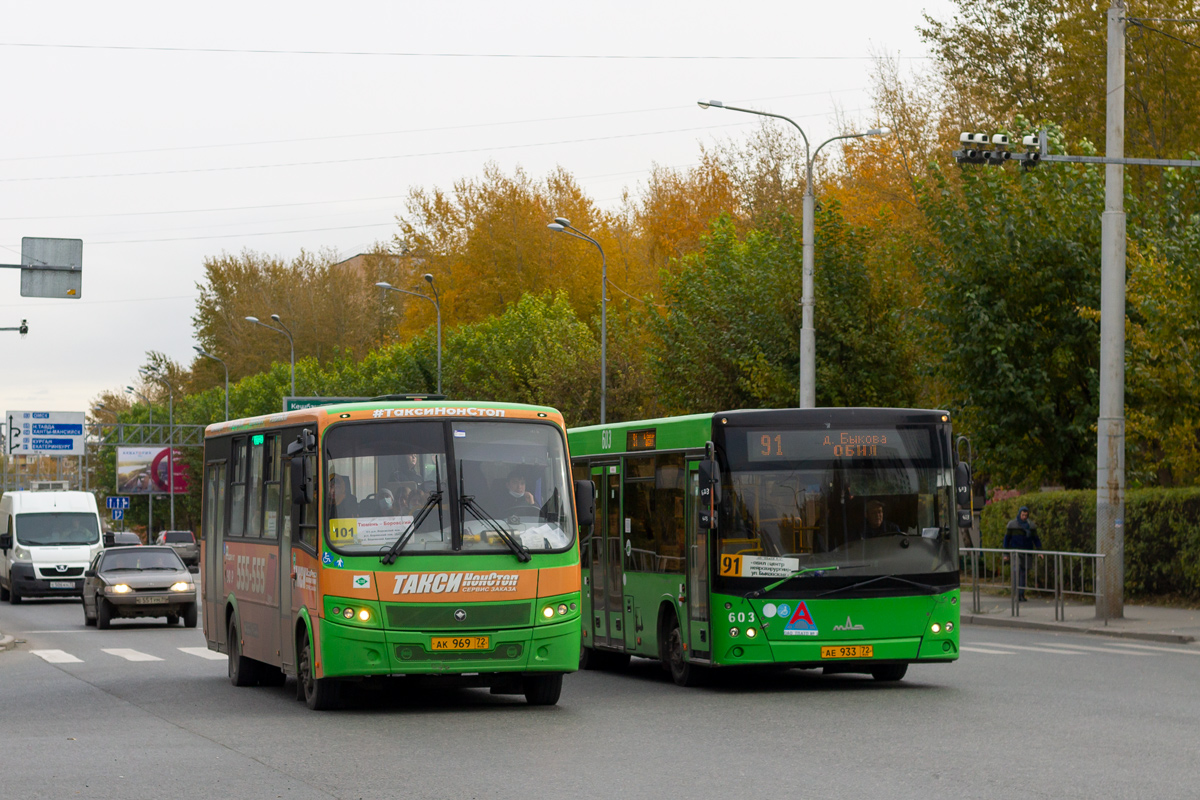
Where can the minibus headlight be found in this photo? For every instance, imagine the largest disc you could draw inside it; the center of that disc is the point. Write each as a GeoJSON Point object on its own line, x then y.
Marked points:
{"type": "Point", "coordinates": [562, 608]}
{"type": "Point", "coordinates": [548, 612]}
{"type": "Point", "coordinates": [364, 615]}
{"type": "Point", "coordinates": [348, 613]}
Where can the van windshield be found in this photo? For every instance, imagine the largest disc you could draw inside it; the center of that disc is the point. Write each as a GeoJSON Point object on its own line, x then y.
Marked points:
{"type": "Point", "coordinates": [56, 528]}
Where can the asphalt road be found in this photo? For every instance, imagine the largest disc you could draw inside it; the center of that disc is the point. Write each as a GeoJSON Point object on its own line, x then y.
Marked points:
{"type": "Point", "coordinates": [1022, 714]}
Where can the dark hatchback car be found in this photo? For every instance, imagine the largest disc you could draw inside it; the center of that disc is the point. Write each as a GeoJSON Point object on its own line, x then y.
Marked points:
{"type": "Point", "coordinates": [133, 582]}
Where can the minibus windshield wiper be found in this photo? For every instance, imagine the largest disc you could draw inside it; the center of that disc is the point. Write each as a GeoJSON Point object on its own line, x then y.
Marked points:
{"type": "Point", "coordinates": [926, 586]}
{"type": "Point", "coordinates": [435, 498]}
{"type": "Point", "coordinates": [469, 504]}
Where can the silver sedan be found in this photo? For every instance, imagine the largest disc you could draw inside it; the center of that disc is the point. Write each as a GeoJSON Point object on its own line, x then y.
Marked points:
{"type": "Point", "coordinates": [133, 582]}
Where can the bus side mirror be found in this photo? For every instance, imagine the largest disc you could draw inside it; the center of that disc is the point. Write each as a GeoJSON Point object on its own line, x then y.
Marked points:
{"type": "Point", "coordinates": [585, 503]}
{"type": "Point", "coordinates": [5, 541]}
{"type": "Point", "coordinates": [962, 485]}
{"type": "Point", "coordinates": [708, 484]}
{"type": "Point", "coordinates": [300, 482]}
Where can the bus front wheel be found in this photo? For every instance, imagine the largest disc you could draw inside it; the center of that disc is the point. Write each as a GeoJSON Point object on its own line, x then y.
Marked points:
{"type": "Point", "coordinates": [542, 690]}
{"type": "Point", "coordinates": [319, 694]}
{"type": "Point", "coordinates": [684, 673]}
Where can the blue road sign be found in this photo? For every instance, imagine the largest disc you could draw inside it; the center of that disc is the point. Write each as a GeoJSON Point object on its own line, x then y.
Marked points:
{"type": "Point", "coordinates": [118, 513]}
{"type": "Point", "coordinates": [117, 502]}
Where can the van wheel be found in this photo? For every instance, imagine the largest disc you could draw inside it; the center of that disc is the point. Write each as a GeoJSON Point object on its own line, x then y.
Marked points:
{"type": "Point", "coordinates": [103, 614]}
{"type": "Point", "coordinates": [242, 670]}
{"type": "Point", "coordinates": [189, 616]}
{"type": "Point", "coordinates": [542, 690]}
{"type": "Point", "coordinates": [320, 694]}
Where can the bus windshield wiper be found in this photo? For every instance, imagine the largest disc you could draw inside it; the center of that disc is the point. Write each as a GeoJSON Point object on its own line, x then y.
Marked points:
{"type": "Point", "coordinates": [468, 503]}
{"type": "Point", "coordinates": [926, 586]}
{"type": "Point", "coordinates": [781, 581]}
{"type": "Point", "coordinates": [435, 498]}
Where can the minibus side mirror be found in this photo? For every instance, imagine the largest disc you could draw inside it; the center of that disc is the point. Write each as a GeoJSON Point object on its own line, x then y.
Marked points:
{"type": "Point", "coordinates": [301, 486]}
{"type": "Point", "coordinates": [585, 503]}
{"type": "Point", "coordinates": [5, 541]}
{"type": "Point", "coordinates": [962, 484]}
{"type": "Point", "coordinates": [708, 487]}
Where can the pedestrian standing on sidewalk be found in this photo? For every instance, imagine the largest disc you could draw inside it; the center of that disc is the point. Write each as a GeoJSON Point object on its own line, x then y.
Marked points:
{"type": "Point", "coordinates": [1022, 535]}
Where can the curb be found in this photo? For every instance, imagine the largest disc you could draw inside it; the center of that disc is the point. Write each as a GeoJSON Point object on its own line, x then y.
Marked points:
{"type": "Point", "coordinates": [1016, 622]}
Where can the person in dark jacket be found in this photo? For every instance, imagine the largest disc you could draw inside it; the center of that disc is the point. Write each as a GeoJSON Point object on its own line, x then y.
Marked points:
{"type": "Point", "coordinates": [1021, 534]}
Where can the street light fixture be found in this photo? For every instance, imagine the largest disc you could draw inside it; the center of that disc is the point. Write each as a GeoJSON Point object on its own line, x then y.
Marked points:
{"type": "Point", "coordinates": [437, 304]}
{"type": "Point", "coordinates": [205, 354]}
{"type": "Point", "coordinates": [562, 225]}
{"type": "Point", "coordinates": [292, 342]}
{"type": "Point", "coordinates": [152, 374]}
{"type": "Point", "coordinates": [808, 339]}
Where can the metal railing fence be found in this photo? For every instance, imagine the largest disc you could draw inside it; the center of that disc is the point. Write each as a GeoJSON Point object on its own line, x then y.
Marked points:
{"type": "Point", "coordinates": [1058, 573]}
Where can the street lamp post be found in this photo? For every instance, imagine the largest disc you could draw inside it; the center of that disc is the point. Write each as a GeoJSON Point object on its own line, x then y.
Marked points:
{"type": "Point", "coordinates": [437, 304]}
{"type": "Point", "coordinates": [207, 354]}
{"type": "Point", "coordinates": [150, 496]}
{"type": "Point", "coordinates": [808, 336]}
{"type": "Point", "coordinates": [561, 225]}
{"type": "Point", "coordinates": [153, 374]}
{"type": "Point", "coordinates": [284, 330]}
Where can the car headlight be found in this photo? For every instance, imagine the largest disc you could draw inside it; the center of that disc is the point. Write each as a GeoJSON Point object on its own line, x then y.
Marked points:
{"type": "Point", "coordinates": [181, 586]}
{"type": "Point", "coordinates": [120, 588]}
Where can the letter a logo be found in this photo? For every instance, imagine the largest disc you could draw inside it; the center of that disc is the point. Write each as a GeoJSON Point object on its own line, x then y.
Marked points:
{"type": "Point", "coordinates": [801, 623]}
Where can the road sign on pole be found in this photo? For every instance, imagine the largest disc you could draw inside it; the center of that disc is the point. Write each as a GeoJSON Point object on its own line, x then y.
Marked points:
{"type": "Point", "coordinates": [118, 513]}
{"type": "Point", "coordinates": [117, 502]}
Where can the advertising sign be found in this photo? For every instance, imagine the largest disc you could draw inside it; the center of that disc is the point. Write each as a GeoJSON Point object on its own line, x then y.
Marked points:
{"type": "Point", "coordinates": [143, 470]}
{"type": "Point", "coordinates": [46, 433]}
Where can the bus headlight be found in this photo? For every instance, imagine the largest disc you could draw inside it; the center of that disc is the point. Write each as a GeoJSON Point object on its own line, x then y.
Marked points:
{"type": "Point", "coordinates": [949, 627]}
{"type": "Point", "coordinates": [733, 632]}
{"type": "Point", "coordinates": [562, 608]}
{"type": "Point", "coordinates": [936, 628]}
{"type": "Point", "coordinates": [751, 633]}
{"type": "Point", "coordinates": [348, 613]}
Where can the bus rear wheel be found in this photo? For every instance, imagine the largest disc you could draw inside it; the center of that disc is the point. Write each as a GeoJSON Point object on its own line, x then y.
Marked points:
{"type": "Point", "coordinates": [319, 694]}
{"type": "Point", "coordinates": [242, 670]}
{"type": "Point", "coordinates": [542, 690]}
{"type": "Point", "coordinates": [889, 672]}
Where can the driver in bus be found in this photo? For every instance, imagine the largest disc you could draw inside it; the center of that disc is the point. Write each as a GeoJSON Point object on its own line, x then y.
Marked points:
{"type": "Point", "coordinates": [874, 524]}
{"type": "Point", "coordinates": [344, 505]}
{"type": "Point", "coordinates": [517, 496]}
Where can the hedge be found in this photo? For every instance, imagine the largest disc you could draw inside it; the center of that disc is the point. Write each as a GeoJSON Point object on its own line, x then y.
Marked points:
{"type": "Point", "coordinates": [1162, 534]}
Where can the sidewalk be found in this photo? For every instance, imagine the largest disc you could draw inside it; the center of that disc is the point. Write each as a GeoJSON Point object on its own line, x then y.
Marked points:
{"type": "Point", "coordinates": [1149, 623]}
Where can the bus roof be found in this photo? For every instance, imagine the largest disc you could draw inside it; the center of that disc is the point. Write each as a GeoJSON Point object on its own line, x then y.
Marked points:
{"type": "Point", "coordinates": [392, 409]}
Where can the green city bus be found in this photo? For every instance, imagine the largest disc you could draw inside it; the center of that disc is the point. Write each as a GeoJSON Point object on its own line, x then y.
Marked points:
{"type": "Point", "coordinates": [811, 538]}
{"type": "Point", "coordinates": [394, 538]}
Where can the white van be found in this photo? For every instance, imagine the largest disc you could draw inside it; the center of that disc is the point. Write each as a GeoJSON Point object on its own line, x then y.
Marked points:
{"type": "Point", "coordinates": [47, 540]}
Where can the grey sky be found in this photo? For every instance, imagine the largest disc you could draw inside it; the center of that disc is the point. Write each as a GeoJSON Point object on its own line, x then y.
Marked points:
{"type": "Point", "coordinates": [100, 139]}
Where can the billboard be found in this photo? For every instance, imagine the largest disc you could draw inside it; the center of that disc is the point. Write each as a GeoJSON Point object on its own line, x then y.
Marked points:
{"type": "Point", "coordinates": [143, 470]}
{"type": "Point", "coordinates": [45, 433]}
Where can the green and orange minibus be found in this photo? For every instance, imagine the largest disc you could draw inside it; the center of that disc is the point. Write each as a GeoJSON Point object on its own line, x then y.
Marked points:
{"type": "Point", "coordinates": [387, 540]}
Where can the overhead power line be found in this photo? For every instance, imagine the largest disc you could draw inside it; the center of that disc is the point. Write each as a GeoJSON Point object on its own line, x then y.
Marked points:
{"type": "Point", "coordinates": [1163, 33]}
{"type": "Point", "coordinates": [403, 54]}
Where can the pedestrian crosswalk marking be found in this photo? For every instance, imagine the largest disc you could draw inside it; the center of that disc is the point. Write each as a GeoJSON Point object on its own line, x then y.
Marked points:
{"type": "Point", "coordinates": [203, 652]}
{"type": "Point", "coordinates": [56, 657]}
{"type": "Point", "coordinates": [129, 655]}
{"type": "Point", "coordinates": [1033, 649]}
{"type": "Point", "coordinates": [967, 649]}
{"type": "Point", "coordinates": [1160, 649]}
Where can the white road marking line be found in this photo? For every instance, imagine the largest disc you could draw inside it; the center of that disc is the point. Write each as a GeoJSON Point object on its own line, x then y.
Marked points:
{"type": "Point", "coordinates": [1160, 649]}
{"type": "Point", "coordinates": [203, 652]}
{"type": "Point", "coordinates": [966, 649]}
{"type": "Point", "coordinates": [1108, 650]}
{"type": "Point", "coordinates": [129, 655]}
{"type": "Point", "coordinates": [70, 631]}
{"type": "Point", "coordinates": [1034, 649]}
{"type": "Point", "coordinates": [56, 657]}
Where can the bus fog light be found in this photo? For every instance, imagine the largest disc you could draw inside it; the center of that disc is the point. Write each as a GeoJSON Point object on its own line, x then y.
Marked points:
{"type": "Point", "coordinates": [562, 608]}
{"type": "Point", "coordinates": [572, 606]}
{"type": "Point", "coordinates": [547, 612]}
{"type": "Point", "coordinates": [751, 633]}
{"type": "Point", "coordinates": [348, 613]}
{"type": "Point", "coordinates": [337, 610]}
{"type": "Point", "coordinates": [733, 632]}
{"type": "Point", "coordinates": [937, 628]}
{"type": "Point", "coordinates": [364, 615]}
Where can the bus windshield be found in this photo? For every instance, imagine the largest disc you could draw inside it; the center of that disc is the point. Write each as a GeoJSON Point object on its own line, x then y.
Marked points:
{"type": "Point", "coordinates": [454, 486]}
{"type": "Point", "coordinates": [56, 529]}
{"type": "Point", "coordinates": [868, 502]}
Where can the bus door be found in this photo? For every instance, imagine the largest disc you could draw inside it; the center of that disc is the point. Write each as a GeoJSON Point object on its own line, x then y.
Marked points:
{"type": "Point", "coordinates": [699, 635]}
{"type": "Point", "coordinates": [213, 534]}
{"type": "Point", "coordinates": [607, 590]}
{"type": "Point", "coordinates": [287, 568]}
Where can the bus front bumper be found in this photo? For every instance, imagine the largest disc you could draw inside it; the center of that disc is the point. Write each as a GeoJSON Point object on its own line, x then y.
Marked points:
{"type": "Point", "coordinates": [353, 651]}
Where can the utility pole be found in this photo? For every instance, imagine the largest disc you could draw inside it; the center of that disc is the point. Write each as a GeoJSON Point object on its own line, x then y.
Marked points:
{"type": "Point", "coordinates": [1110, 433]}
